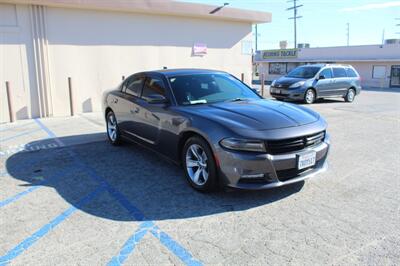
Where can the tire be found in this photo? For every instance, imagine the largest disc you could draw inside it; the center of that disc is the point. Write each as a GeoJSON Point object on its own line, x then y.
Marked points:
{"type": "Point", "coordinates": [350, 95]}
{"type": "Point", "coordinates": [113, 133]}
{"type": "Point", "coordinates": [309, 96]}
{"type": "Point", "coordinates": [199, 165]}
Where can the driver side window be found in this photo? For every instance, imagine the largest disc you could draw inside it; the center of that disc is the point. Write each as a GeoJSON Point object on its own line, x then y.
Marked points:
{"type": "Point", "coordinates": [327, 73]}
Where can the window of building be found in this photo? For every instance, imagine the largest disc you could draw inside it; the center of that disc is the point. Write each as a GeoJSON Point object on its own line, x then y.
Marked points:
{"type": "Point", "coordinates": [153, 86]}
{"type": "Point", "coordinates": [378, 72]}
{"type": "Point", "coordinates": [133, 86]}
{"type": "Point", "coordinates": [339, 72]}
{"type": "Point", "coordinates": [277, 68]}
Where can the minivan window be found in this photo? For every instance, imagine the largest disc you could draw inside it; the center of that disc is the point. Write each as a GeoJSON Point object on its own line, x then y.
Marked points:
{"type": "Point", "coordinates": [351, 73]}
{"type": "Point", "coordinates": [339, 72]}
{"type": "Point", "coordinates": [327, 73]}
{"type": "Point", "coordinates": [304, 72]}
{"type": "Point", "coordinates": [133, 86]}
{"type": "Point", "coordinates": [153, 86]}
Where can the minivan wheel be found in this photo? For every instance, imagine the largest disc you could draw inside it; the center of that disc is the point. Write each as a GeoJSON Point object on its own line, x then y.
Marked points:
{"type": "Point", "coordinates": [351, 94]}
{"type": "Point", "coordinates": [199, 165]}
{"type": "Point", "coordinates": [309, 96]}
{"type": "Point", "coordinates": [113, 132]}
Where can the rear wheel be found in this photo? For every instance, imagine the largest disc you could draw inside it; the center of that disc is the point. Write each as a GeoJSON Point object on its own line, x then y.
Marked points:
{"type": "Point", "coordinates": [112, 129]}
{"type": "Point", "coordinates": [199, 165]}
{"type": "Point", "coordinates": [351, 94]}
{"type": "Point", "coordinates": [309, 96]}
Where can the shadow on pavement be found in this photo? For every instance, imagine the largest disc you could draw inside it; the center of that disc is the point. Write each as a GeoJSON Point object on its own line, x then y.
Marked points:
{"type": "Point", "coordinates": [156, 187]}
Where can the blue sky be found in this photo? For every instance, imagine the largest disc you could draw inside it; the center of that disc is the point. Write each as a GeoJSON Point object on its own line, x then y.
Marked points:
{"type": "Point", "coordinates": [324, 21]}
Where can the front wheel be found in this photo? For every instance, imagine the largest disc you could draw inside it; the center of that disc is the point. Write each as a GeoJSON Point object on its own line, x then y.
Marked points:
{"type": "Point", "coordinates": [351, 94]}
{"type": "Point", "coordinates": [199, 165]}
{"type": "Point", "coordinates": [309, 96]}
{"type": "Point", "coordinates": [112, 129]}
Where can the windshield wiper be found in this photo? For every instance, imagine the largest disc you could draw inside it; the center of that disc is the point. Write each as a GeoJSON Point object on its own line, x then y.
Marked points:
{"type": "Point", "coordinates": [236, 100]}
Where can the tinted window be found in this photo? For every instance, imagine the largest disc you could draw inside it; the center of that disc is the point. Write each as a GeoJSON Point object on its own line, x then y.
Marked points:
{"type": "Point", "coordinates": [304, 72]}
{"type": "Point", "coordinates": [133, 86]}
{"type": "Point", "coordinates": [327, 73]}
{"type": "Point", "coordinates": [209, 88]}
{"type": "Point", "coordinates": [339, 72]}
{"type": "Point", "coordinates": [153, 86]}
{"type": "Point", "coordinates": [351, 73]}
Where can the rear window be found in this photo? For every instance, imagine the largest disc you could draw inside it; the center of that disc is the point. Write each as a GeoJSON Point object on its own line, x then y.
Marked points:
{"type": "Point", "coordinates": [339, 72]}
{"type": "Point", "coordinates": [351, 73]}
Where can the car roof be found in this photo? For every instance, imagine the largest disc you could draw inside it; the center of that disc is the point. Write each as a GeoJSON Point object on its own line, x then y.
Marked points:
{"type": "Point", "coordinates": [182, 71]}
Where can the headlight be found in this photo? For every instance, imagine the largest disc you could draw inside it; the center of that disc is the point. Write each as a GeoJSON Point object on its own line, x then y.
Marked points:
{"type": "Point", "coordinates": [243, 144]}
{"type": "Point", "coordinates": [273, 83]}
{"type": "Point", "coordinates": [297, 84]}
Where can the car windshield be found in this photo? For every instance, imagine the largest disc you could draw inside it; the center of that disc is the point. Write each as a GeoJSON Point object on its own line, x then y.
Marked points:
{"type": "Point", "coordinates": [209, 88]}
{"type": "Point", "coordinates": [303, 72]}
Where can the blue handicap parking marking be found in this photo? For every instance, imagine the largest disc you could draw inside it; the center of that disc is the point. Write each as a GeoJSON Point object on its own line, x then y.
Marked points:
{"type": "Point", "coordinates": [34, 187]}
{"type": "Point", "coordinates": [131, 243]}
{"type": "Point", "coordinates": [44, 230]}
{"type": "Point", "coordinates": [20, 135]}
{"type": "Point", "coordinates": [136, 214]}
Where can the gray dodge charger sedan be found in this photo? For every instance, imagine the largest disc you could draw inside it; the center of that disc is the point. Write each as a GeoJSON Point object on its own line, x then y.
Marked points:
{"type": "Point", "coordinates": [217, 128]}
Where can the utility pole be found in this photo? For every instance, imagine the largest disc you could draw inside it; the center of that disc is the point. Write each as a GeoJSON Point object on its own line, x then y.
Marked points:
{"type": "Point", "coordinates": [348, 33]}
{"type": "Point", "coordinates": [383, 36]}
{"type": "Point", "coordinates": [295, 17]}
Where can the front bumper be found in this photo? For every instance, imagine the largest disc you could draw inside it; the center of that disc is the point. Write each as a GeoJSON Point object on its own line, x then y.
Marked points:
{"type": "Point", "coordinates": [277, 170]}
{"type": "Point", "coordinates": [285, 93]}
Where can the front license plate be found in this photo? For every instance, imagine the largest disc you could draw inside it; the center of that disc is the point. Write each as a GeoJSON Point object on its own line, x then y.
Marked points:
{"type": "Point", "coordinates": [306, 160]}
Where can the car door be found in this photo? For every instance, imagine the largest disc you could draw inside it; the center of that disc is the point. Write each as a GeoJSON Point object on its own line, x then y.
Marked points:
{"type": "Point", "coordinates": [324, 82]}
{"type": "Point", "coordinates": [152, 115]}
{"type": "Point", "coordinates": [128, 106]}
{"type": "Point", "coordinates": [340, 84]}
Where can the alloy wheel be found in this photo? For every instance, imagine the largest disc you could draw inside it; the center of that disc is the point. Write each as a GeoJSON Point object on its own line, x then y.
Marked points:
{"type": "Point", "coordinates": [196, 164]}
{"type": "Point", "coordinates": [310, 96]}
{"type": "Point", "coordinates": [112, 127]}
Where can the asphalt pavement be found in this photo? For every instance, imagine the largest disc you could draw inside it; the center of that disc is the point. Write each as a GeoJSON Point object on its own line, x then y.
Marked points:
{"type": "Point", "coordinates": [68, 197]}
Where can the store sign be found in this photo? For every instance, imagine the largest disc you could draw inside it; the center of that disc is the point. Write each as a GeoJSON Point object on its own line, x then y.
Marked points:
{"type": "Point", "coordinates": [281, 53]}
{"type": "Point", "coordinates": [199, 49]}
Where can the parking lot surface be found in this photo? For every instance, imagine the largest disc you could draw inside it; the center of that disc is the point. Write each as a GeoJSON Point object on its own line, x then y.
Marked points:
{"type": "Point", "coordinates": [68, 197]}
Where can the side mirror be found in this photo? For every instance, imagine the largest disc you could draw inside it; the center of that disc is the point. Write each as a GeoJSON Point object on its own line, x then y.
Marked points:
{"type": "Point", "coordinates": [321, 77]}
{"type": "Point", "coordinates": [156, 98]}
{"type": "Point", "coordinates": [256, 90]}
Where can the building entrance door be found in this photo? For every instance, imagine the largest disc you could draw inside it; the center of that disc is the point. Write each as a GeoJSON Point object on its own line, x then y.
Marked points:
{"type": "Point", "coordinates": [395, 76]}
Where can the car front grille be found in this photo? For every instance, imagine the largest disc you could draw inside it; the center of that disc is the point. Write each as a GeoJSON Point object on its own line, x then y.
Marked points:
{"type": "Point", "coordinates": [294, 144]}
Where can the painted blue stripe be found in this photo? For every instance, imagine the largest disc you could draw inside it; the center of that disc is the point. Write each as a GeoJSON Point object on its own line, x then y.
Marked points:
{"type": "Point", "coordinates": [174, 247]}
{"type": "Point", "coordinates": [131, 243]}
{"type": "Point", "coordinates": [28, 242]}
{"type": "Point", "coordinates": [20, 134]}
{"type": "Point", "coordinates": [31, 189]}
{"type": "Point", "coordinates": [15, 127]}
{"type": "Point", "coordinates": [165, 239]}
{"type": "Point", "coordinates": [17, 196]}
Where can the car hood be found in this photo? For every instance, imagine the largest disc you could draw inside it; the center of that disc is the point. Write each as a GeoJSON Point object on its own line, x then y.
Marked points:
{"type": "Point", "coordinates": [287, 81]}
{"type": "Point", "coordinates": [255, 114]}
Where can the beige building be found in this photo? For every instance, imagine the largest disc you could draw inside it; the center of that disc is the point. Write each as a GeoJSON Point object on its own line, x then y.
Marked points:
{"type": "Point", "coordinates": [43, 42]}
{"type": "Point", "coordinates": [378, 65]}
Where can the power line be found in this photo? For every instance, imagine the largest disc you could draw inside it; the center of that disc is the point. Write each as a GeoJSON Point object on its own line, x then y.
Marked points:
{"type": "Point", "coordinates": [295, 17]}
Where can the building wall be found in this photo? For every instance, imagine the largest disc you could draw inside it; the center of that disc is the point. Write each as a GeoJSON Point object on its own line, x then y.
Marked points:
{"type": "Point", "coordinates": [96, 48]}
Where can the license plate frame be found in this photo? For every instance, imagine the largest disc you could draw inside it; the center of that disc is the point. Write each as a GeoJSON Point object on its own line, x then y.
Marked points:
{"type": "Point", "coordinates": [306, 160]}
